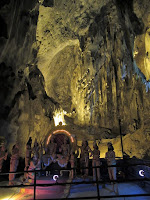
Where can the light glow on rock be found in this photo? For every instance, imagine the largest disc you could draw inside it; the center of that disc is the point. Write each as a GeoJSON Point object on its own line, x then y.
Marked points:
{"type": "Point", "coordinates": [49, 137]}
{"type": "Point", "coordinates": [60, 131]}
{"type": "Point", "coordinates": [59, 117]}
{"type": "Point", "coordinates": [66, 132]}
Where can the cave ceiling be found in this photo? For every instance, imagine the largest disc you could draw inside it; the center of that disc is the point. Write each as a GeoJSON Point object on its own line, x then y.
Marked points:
{"type": "Point", "coordinates": [87, 61]}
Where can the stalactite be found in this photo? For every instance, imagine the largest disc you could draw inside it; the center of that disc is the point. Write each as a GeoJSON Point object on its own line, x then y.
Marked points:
{"type": "Point", "coordinates": [90, 58]}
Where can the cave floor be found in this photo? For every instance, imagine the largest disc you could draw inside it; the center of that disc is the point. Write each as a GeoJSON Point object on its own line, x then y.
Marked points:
{"type": "Point", "coordinates": [73, 191]}
{"type": "Point", "coordinates": [90, 190]}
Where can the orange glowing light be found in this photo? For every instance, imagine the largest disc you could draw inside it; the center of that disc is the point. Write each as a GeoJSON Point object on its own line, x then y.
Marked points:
{"type": "Point", "coordinates": [49, 137]}
{"type": "Point", "coordinates": [60, 131]}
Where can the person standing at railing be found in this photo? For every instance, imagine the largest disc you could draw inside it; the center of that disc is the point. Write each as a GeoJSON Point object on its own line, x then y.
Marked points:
{"type": "Point", "coordinates": [110, 157]}
{"type": "Point", "coordinates": [3, 156]}
{"type": "Point", "coordinates": [96, 162]}
{"type": "Point", "coordinates": [14, 161]}
{"type": "Point", "coordinates": [84, 157]}
{"type": "Point", "coordinates": [74, 153]}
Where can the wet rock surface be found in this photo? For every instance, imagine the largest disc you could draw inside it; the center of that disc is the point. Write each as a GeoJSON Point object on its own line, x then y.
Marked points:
{"type": "Point", "coordinates": [88, 58]}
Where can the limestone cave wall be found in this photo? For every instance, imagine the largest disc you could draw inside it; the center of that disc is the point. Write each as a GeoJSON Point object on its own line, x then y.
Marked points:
{"type": "Point", "coordinates": [90, 58]}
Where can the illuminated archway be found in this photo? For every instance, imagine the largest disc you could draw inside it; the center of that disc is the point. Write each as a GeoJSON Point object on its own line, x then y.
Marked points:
{"type": "Point", "coordinates": [57, 132]}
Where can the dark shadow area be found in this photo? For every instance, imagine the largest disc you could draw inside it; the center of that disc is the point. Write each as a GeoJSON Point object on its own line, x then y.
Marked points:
{"type": "Point", "coordinates": [48, 3]}
{"type": "Point", "coordinates": [3, 27]}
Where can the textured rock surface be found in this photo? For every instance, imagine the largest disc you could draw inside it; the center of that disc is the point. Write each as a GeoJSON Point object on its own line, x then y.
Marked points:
{"type": "Point", "coordinates": [88, 57]}
{"type": "Point", "coordinates": [141, 47]}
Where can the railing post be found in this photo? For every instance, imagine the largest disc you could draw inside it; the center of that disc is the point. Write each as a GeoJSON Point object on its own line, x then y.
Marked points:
{"type": "Point", "coordinates": [97, 183]}
{"type": "Point", "coordinates": [120, 130]}
{"type": "Point", "coordinates": [34, 184]}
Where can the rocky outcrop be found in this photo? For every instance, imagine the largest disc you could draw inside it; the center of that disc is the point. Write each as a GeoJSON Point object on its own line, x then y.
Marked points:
{"type": "Point", "coordinates": [25, 107]}
{"type": "Point", "coordinates": [89, 58]}
{"type": "Point", "coordinates": [92, 47]}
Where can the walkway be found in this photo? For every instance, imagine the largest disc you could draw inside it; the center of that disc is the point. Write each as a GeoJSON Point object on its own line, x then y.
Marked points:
{"type": "Point", "coordinates": [89, 190]}
{"type": "Point", "coordinates": [73, 191]}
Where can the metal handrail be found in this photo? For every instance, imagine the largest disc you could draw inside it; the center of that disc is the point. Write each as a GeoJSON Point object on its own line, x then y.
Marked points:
{"type": "Point", "coordinates": [117, 165]}
{"type": "Point", "coordinates": [83, 182]}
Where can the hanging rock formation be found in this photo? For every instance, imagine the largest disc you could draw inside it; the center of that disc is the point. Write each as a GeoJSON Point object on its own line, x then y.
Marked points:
{"type": "Point", "coordinates": [90, 58]}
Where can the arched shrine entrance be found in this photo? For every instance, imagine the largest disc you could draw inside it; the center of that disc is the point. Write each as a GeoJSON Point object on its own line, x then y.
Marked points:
{"type": "Point", "coordinates": [59, 136]}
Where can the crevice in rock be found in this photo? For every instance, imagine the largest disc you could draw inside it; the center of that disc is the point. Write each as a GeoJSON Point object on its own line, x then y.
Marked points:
{"type": "Point", "coordinates": [4, 2]}
{"type": "Point", "coordinates": [127, 6]}
{"type": "Point", "coordinates": [30, 91]}
{"type": "Point", "coordinates": [3, 27]}
{"type": "Point", "coordinates": [51, 99]}
{"type": "Point", "coordinates": [82, 43]}
{"type": "Point", "coordinates": [16, 98]}
{"type": "Point", "coordinates": [7, 78]}
{"type": "Point", "coordinates": [48, 3]}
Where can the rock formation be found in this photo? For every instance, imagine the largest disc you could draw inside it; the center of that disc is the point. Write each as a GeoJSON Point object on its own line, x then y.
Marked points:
{"type": "Point", "coordinates": [87, 58]}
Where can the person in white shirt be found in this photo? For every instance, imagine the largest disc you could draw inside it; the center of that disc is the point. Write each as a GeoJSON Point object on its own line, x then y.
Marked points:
{"type": "Point", "coordinates": [96, 162]}
{"type": "Point", "coordinates": [110, 157]}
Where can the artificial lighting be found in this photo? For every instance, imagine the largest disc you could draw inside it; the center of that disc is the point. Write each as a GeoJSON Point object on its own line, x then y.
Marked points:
{"type": "Point", "coordinates": [7, 198]}
{"type": "Point", "coordinates": [66, 132]}
{"type": "Point", "coordinates": [55, 177]}
{"type": "Point", "coordinates": [60, 131]}
{"type": "Point", "coordinates": [49, 137]}
{"type": "Point", "coordinates": [59, 117]}
{"type": "Point", "coordinates": [141, 172]}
